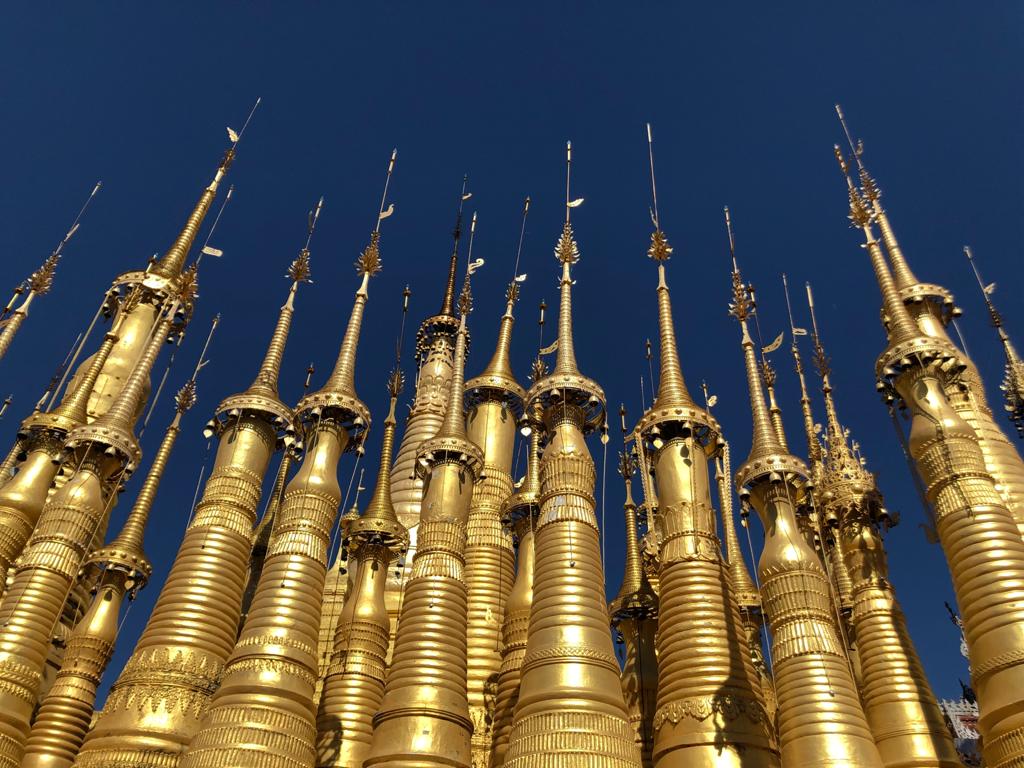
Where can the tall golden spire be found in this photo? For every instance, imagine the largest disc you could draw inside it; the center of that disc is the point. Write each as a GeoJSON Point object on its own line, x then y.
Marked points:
{"type": "Point", "coordinates": [570, 677]}
{"type": "Point", "coordinates": [263, 710]}
{"type": "Point", "coordinates": [1013, 379]}
{"type": "Point", "coordinates": [634, 615]}
{"type": "Point", "coordinates": [904, 277]}
{"type": "Point", "coordinates": [825, 718]}
{"type": "Point", "coordinates": [105, 453]}
{"type": "Point", "coordinates": [519, 514]}
{"type": "Point", "coordinates": [695, 678]}
{"type": "Point", "coordinates": [424, 717]}
{"type": "Point", "coordinates": [66, 711]}
{"type": "Point", "coordinates": [932, 309]}
{"type": "Point", "coordinates": [273, 667]}
{"type": "Point", "coordinates": [354, 682]}
{"type": "Point", "coordinates": [901, 709]}
{"type": "Point", "coordinates": [173, 261]}
{"type": "Point", "coordinates": [494, 405]}
{"type": "Point", "coordinates": [977, 530]}
{"type": "Point", "coordinates": [38, 283]}
{"type": "Point", "coordinates": [748, 598]}
{"type": "Point", "coordinates": [177, 663]}
{"type": "Point", "coordinates": [747, 595]}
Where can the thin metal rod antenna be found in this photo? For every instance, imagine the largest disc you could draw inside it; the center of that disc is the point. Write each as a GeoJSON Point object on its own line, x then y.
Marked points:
{"type": "Point", "coordinates": [789, 309]}
{"type": "Point", "coordinates": [732, 239]}
{"type": "Point", "coordinates": [568, 169]}
{"type": "Point", "coordinates": [994, 316]}
{"type": "Point", "coordinates": [58, 374]}
{"type": "Point", "coordinates": [654, 186]}
{"type": "Point", "coordinates": [82, 338]}
{"type": "Point", "coordinates": [160, 387]}
{"type": "Point", "coordinates": [472, 233]}
{"type": "Point", "coordinates": [78, 218]}
{"type": "Point", "coordinates": [203, 362]}
{"type": "Point", "coordinates": [245, 125]}
{"type": "Point", "coordinates": [60, 246]}
{"type": "Point", "coordinates": [854, 149]}
{"type": "Point", "coordinates": [314, 217]}
{"type": "Point", "coordinates": [643, 401]}
{"type": "Point", "coordinates": [522, 235]}
{"type": "Point", "coordinates": [384, 195]}
{"type": "Point", "coordinates": [814, 317]}
{"type": "Point", "coordinates": [540, 325]}
{"type": "Point", "coordinates": [216, 221]}
{"type": "Point", "coordinates": [650, 368]}
{"type": "Point", "coordinates": [406, 293]}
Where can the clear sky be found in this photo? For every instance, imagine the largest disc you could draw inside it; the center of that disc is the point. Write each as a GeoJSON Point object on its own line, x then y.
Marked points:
{"type": "Point", "coordinates": [740, 96]}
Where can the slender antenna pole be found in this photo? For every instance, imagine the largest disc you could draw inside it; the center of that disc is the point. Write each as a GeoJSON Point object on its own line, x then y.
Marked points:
{"type": "Point", "coordinates": [213, 227]}
{"type": "Point", "coordinates": [522, 235]}
{"type": "Point", "coordinates": [654, 186]}
{"type": "Point", "coordinates": [406, 293]}
{"type": "Point", "coordinates": [568, 174]}
{"type": "Point", "coordinates": [381, 213]}
{"type": "Point", "coordinates": [245, 125]}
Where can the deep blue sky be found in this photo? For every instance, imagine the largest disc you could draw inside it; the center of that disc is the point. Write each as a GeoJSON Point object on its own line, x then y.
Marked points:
{"type": "Point", "coordinates": [740, 97]}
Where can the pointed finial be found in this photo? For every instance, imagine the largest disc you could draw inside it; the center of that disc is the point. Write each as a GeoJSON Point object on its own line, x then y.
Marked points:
{"type": "Point", "coordinates": [454, 424]}
{"type": "Point", "coordinates": [497, 379]}
{"type": "Point", "coordinates": [40, 281]}
{"type": "Point", "coordinates": [448, 303]}
{"type": "Point", "coordinates": [379, 523]}
{"type": "Point", "coordinates": [172, 263]}
{"type": "Point", "coordinates": [872, 193]}
{"type": "Point", "coordinates": [765, 439]}
{"type": "Point", "coordinates": [672, 390]}
{"type": "Point", "coordinates": [635, 597]}
{"type": "Point", "coordinates": [841, 465]}
{"type": "Point", "coordinates": [813, 444]}
{"type": "Point", "coordinates": [342, 379]}
{"type": "Point", "coordinates": [126, 551]}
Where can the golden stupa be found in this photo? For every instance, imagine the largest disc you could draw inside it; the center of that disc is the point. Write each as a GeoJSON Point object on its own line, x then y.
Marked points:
{"type": "Point", "coordinates": [464, 622]}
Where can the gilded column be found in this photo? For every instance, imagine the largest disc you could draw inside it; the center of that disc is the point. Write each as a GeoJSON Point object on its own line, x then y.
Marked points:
{"type": "Point", "coordinates": [262, 714]}
{"type": "Point", "coordinates": [747, 596]}
{"type": "Point", "coordinates": [261, 535]}
{"type": "Point", "coordinates": [974, 525]}
{"type": "Point", "coordinates": [158, 283]}
{"type": "Point", "coordinates": [154, 706]}
{"type": "Point", "coordinates": [336, 589]}
{"type": "Point", "coordinates": [932, 307]}
{"type": "Point", "coordinates": [435, 344]}
{"type": "Point", "coordinates": [710, 708]}
{"type": "Point", "coordinates": [494, 403]}
{"type": "Point", "coordinates": [354, 684]}
{"type": "Point", "coordinates": [902, 711]}
{"type": "Point", "coordinates": [571, 709]}
{"type": "Point", "coordinates": [820, 719]}
{"type": "Point", "coordinates": [103, 454]}
{"type": "Point", "coordinates": [424, 717]}
{"type": "Point", "coordinates": [42, 435]}
{"type": "Point", "coordinates": [634, 614]}
{"type": "Point", "coordinates": [518, 513]}
{"type": "Point", "coordinates": [67, 710]}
